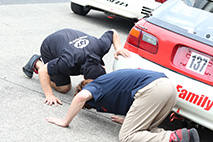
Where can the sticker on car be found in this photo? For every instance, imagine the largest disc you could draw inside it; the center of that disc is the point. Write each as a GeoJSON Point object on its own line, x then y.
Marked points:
{"type": "Point", "coordinates": [118, 2]}
{"type": "Point", "coordinates": [197, 63]}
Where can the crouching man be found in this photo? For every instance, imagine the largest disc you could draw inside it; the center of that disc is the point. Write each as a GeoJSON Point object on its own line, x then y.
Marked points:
{"type": "Point", "coordinates": [144, 97]}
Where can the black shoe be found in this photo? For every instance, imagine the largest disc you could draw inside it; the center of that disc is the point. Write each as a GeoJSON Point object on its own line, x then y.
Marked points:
{"type": "Point", "coordinates": [29, 67]}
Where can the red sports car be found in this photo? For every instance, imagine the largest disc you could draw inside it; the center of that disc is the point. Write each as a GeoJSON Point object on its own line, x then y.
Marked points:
{"type": "Point", "coordinates": [177, 39]}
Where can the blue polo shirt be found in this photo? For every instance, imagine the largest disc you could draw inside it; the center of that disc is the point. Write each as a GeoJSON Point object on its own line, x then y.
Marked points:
{"type": "Point", "coordinates": [114, 92]}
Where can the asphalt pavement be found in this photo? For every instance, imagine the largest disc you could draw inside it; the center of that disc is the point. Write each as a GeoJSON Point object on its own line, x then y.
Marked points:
{"type": "Point", "coordinates": [23, 27]}
{"type": "Point", "coordinates": [23, 112]}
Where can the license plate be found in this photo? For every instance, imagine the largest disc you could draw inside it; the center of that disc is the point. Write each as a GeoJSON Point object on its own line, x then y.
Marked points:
{"type": "Point", "coordinates": [197, 63]}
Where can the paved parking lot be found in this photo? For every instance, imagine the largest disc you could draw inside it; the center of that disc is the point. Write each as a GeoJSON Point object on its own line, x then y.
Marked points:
{"type": "Point", "coordinates": [23, 113]}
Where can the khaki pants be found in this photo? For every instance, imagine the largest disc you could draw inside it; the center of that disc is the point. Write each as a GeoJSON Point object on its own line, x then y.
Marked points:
{"type": "Point", "coordinates": [151, 106]}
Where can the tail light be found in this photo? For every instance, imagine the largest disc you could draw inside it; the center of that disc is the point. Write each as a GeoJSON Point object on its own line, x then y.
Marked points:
{"type": "Point", "coordinates": [134, 36]}
{"type": "Point", "coordinates": [143, 40]}
{"type": "Point", "coordinates": [161, 1]}
{"type": "Point", "coordinates": [149, 43]}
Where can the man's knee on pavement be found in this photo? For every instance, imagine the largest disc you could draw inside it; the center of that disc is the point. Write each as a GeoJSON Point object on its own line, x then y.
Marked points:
{"type": "Point", "coordinates": [62, 89]}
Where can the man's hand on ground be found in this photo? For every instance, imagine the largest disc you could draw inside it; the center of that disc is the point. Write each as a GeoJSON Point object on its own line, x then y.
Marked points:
{"type": "Point", "coordinates": [52, 100]}
{"type": "Point", "coordinates": [117, 119]}
{"type": "Point", "coordinates": [57, 121]}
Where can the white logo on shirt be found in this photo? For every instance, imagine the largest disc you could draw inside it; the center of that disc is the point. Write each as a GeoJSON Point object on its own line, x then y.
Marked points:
{"type": "Point", "coordinates": [80, 42]}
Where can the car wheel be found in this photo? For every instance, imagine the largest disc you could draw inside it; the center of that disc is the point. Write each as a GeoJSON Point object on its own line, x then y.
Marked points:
{"type": "Point", "coordinates": [78, 9]}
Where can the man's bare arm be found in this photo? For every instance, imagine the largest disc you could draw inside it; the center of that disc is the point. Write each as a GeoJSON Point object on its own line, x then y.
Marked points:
{"type": "Point", "coordinates": [119, 50]}
{"type": "Point", "coordinates": [46, 86]}
{"type": "Point", "coordinates": [77, 104]}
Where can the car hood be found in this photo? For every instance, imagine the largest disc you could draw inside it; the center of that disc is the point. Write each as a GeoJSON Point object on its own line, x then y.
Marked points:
{"type": "Point", "coordinates": [186, 20]}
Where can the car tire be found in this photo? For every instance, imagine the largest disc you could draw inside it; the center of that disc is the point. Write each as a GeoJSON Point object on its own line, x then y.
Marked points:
{"type": "Point", "coordinates": [78, 9]}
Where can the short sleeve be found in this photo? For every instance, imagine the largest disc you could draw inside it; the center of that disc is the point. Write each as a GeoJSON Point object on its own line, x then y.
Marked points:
{"type": "Point", "coordinates": [57, 66]}
{"type": "Point", "coordinates": [94, 90]}
{"type": "Point", "coordinates": [107, 40]}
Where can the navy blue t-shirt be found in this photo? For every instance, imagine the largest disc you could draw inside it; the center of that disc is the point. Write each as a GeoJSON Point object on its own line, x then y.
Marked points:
{"type": "Point", "coordinates": [69, 50]}
{"type": "Point", "coordinates": [114, 92]}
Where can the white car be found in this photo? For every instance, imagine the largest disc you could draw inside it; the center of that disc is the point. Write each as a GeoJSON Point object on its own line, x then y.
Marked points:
{"type": "Point", "coordinates": [177, 39]}
{"type": "Point", "coordinates": [131, 9]}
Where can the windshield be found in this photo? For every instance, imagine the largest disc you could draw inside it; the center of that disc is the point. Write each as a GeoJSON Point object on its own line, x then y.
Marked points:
{"type": "Point", "coordinates": [188, 16]}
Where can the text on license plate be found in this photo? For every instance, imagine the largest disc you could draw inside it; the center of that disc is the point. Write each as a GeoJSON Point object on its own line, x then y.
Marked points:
{"type": "Point", "coordinates": [197, 63]}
